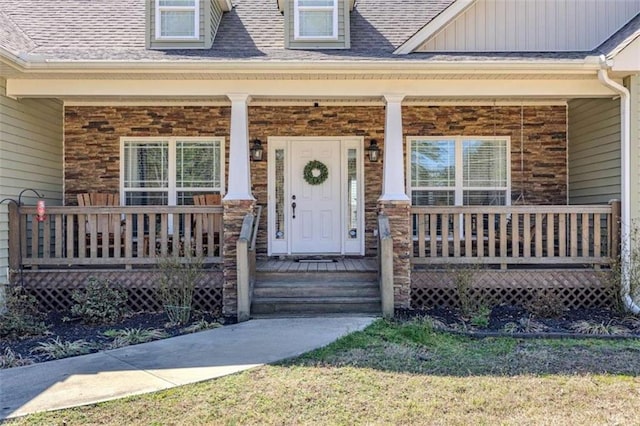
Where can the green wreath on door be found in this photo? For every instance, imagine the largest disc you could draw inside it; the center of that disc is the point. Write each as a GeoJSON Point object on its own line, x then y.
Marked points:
{"type": "Point", "coordinates": [315, 172]}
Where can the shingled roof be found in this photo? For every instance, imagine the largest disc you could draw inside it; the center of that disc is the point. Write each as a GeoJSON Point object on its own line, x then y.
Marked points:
{"type": "Point", "coordinates": [114, 30]}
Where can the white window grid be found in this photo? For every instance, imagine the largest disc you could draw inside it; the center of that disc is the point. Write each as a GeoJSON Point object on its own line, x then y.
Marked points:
{"type": "Point", "coordinates": [195, 8]}
{"type": "Point", "coordinates": [296, 20]}
{"type": "Point", "coordinates": [459, 188]}
{"type": "Point", "coordinates": [171, 189]}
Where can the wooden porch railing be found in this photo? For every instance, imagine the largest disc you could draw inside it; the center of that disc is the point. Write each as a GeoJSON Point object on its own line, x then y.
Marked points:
{"type": "Point", "coordinates": [114, 235]}
{"type": "Point", "coordinates": [504, 235]}
{"type": "Point", "coordinates": [246, 262]}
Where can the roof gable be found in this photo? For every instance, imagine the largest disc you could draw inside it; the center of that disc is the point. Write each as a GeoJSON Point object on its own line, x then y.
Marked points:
{"type": "Point", "coordinates": [523, 26]}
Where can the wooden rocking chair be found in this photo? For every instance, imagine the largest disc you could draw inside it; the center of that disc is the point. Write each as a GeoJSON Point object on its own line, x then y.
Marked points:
{"type": "Point", "coordinates": [211, 224]}
{"type": "Point", "coordinates": [105, 227]}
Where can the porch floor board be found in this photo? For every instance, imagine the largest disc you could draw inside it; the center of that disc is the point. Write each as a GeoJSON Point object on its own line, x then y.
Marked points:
{"type": "Point", "coordinates": [339, 265]}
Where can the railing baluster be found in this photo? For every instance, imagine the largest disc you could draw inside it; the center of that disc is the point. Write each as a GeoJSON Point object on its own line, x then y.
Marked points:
{"type": "Point", "coordinates": [71, 228]}
{"type": "Point", "coordinates": [445, 234]}
{"type": "Point", "coordinates": [574, 234]}
{"type": "Point", "coordinates": [468, 235]}
{"type": "Point", "coordinates": [562, 234]}
{"type": "Point", "coordinates": [422, 235]}
{"type": "Point", "coordinates": [139, 238]}
{"type": "Point", "coordinates": [538, 234]}
{"type": "Point", "coordinates": [456, 234]}
{"type": "Point", "coordinates": [480, 233]}
{"type": "Point", "coordinates": [515, 235]}
{"type": "Point", "coordinates": [58, 235]}
{"type": "Point", "coordinates": [46, 238]}
{"type": "Point", "coordinates": [550, 235]}
{"type": "Point", "coordinates": [526, 245]}
{"type": "Point", "coordinates": [585, 235]}
{"type": "Point", "coordinates": [492, 235]}
{"type": "Point", "coordinates": [433, 235]}
{"type": "Point", "coordinates": [597, 245]}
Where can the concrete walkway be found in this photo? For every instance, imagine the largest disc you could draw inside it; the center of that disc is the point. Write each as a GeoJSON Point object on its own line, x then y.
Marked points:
{"type": "Point", "coordinates": [165, 363]}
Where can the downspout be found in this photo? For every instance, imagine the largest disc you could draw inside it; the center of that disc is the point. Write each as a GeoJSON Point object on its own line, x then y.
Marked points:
{"type": "Point", "coordinates": [625, 205]}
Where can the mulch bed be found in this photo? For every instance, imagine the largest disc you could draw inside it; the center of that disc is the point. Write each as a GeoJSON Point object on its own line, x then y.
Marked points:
{"type": "Point", "coordinates": [60, 326]}
{"type": "Point", "coordinates": [499, 319]}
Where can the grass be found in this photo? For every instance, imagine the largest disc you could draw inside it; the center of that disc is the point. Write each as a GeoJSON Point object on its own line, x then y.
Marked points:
{"type": "Point", "coordinates": [403, 373]}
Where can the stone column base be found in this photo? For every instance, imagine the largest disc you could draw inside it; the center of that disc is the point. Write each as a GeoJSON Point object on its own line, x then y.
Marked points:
{"type": "Point", "coordinates": [399, 213]}
{"type": "Point", "coordinates": [234, 213]}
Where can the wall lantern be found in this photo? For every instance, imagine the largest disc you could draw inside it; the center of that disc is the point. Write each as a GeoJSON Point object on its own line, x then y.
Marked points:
{"type": "Point", "coordinates": [374, 151]}
{"type": "Point", "coordinates": [256, 150]}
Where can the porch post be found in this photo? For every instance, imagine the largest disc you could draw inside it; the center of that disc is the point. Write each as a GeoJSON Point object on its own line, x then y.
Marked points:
{"type": "Point", "coordinates": [239, 172]}
{"type": "Point", "coordinates": [394, 201]}
{"type": "Point", "coordinates": [238, 201]}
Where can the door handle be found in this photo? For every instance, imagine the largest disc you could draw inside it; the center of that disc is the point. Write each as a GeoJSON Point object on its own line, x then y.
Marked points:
{"type": "Point", "coordinates": [293, 207]}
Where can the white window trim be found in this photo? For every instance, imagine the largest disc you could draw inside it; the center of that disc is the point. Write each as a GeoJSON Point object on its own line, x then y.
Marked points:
{"type": "Point", "coordinates": [196, 24]}
{"type": "Point", "coordinates": [296, 20]}
{"type": "Point", "coordinates": [459, 188]}
{"type": "Point", "coordinates": [171, 188]}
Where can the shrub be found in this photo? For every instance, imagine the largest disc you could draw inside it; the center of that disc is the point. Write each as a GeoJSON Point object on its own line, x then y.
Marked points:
{"type": "Point", "coordinates": [480, 318]}
{"type": "Point", "coordinates": [21, 318]}
{"type": "Point", "coordinates": [10, 359]}
{"type": "Point", "coordinates": [545, 304]}
{"type": "Point", "coordinates": [56, 348]}
{"type": "Point", "coordinates": [590, 327]}
{"type": "Point", "coordinates": [133, 336]}
{"type": "Point", "coordinates": [177, 284]}
{"type": "Point", "coordinates": [100, 302]}
{"type": "Point", "coordinates": [463, 281]}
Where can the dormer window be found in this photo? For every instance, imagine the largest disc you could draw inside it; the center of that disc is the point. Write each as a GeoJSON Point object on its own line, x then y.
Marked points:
{"type": "Point", "coordinates": [315, 19]}
{"type": "Point", "coordinates": [177, 19]}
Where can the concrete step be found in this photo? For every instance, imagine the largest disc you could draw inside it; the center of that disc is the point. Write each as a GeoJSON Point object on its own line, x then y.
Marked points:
{"type": "Point", "coordinates": [320, 305]}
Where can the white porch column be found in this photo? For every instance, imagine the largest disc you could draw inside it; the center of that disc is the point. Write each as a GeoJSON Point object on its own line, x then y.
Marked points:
{"type": "Point", "coordinates": [239, 187]}
{"type": "Point", "coordinates": [393, 187]}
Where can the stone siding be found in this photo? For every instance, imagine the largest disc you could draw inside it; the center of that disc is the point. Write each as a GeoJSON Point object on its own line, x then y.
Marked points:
{"type": "Point", "coordinates": [234, 213]}
{"type": "Point", "coordinates": [92, 142]}
{"type": "Point", "coordinates": [92, 138]}
{"type": "Point", "coordinates": [365, 121]}
{"type": "Point", "coordinates": [399, 213]}
{"type": "Point", "coordinates": [542, 177]}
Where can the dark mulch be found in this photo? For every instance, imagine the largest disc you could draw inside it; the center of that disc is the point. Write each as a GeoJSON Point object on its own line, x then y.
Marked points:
{"type": "Point", "coordinates": [59, 325]}
{"type": "Point", "coordinates": [502, 315]}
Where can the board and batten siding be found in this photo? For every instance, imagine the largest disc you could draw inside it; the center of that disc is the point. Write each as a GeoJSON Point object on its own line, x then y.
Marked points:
{"type": "Point", "coordinates": [533, 25]}
{"type": "Point", "coordinates": [594, 151]}
{"type": "Point", "coordinates": [343, 41]}
{"type": "Point", "coordinates": [31, 145]}
{"type": "Point", "coordinates": [210, 16]}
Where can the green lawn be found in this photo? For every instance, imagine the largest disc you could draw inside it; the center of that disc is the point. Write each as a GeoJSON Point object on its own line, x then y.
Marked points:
{"type": "Point", "coordinates": [404, 373]}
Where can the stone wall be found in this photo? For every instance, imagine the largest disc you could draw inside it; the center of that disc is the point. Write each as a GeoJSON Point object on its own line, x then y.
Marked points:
{"type": "Point", "coordinates": [92, 142]}
{"type": "Point", "coordinates": [365, 121]}
{"type": "Point", "coordinates": [92, 138]}
{"type": "Point", "coordinates": [542, 177]}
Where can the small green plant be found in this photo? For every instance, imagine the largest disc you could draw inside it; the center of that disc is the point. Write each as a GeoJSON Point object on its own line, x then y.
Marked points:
{"type": "Point", "coordinates": [201, 325]}
{"type": "Point", "coordinates": [480, 317]}
{"type": "Point", "coordinates": [545, 304]}
{"type": "Point", "coordinates": [100, 302]}
{"type": "Point", "coordinates": [56, 348]}
{"type": "Point", "coordinates": [10, 359]}
{"type": "Point", "coordinates": [590, 327]}
{"type": "Point", "coordinates": [133, 336]}
{"type": "Point", "coordinates": [21, 317]}
{"type": "Point", "coordinates": [178, 278]}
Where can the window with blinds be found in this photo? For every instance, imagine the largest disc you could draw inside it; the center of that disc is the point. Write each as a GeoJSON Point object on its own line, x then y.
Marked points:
{"type": "Point", "coordinates": [171, 171]}
{"type": "Point", "coordinates": [459, 171]}
{"type": "Point", "coordinates": [316, 19]}
{"type": "Point", "coordinates": [177, 19]}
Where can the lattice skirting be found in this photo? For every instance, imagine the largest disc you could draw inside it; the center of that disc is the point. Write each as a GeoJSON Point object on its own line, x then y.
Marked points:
{"type": "Point", "coordinates": [53, 289]}
{"type": "Point", "coordinates": [574, 288]}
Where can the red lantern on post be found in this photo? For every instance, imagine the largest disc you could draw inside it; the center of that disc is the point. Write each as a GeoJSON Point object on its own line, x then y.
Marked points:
{"type": "Point", "coordinates": [41, 211]}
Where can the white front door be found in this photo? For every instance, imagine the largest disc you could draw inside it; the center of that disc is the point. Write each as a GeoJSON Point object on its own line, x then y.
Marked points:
{"type": "Point", "coordinates": [328, 218]}
{"type": "Point", "coordinates": [315, 209]}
